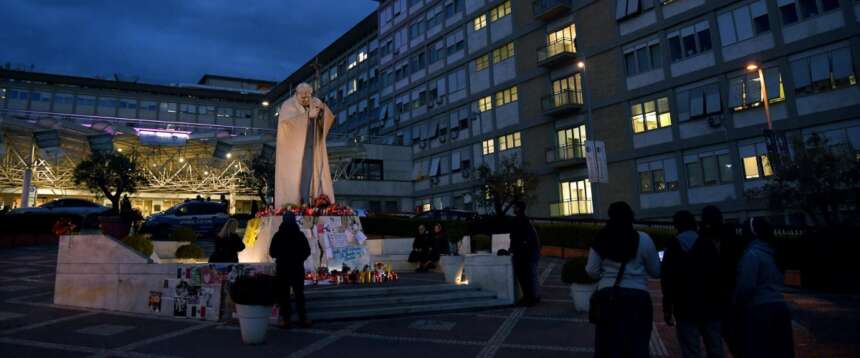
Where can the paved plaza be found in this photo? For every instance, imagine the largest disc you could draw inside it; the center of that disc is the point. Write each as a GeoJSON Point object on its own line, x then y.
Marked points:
{"type": "Point", "coordinates": [31, 326]}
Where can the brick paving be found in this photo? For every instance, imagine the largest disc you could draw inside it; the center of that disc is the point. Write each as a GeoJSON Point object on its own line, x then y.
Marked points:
{"type": "Point", "coordinates": [32, 326]}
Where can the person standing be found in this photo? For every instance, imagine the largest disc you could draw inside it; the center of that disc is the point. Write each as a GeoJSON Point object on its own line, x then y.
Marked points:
{"type": "Point", "coordinates": [730, 248]}
{"type": "Point", "coordinates": [227, 243]}
{"type": "Point", "coordinates": [691, 291]}
{"type": "Point", "coordinates": [620, 258]}
{"type": "Point", "coordinates": [290, 249]}
{"type": "Point", "coordinates": [765, 321]}
{"type": "Point", "coordinates": [420, 249]}
{"type": "Point", "coordinates": [439, 245]}
{"type": "Point", "coordinates": [525, 249]}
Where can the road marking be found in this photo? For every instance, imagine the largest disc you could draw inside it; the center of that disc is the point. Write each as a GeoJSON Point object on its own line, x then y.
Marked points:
{"type": "Point", "coordinates": [549, 348]}
{"type": "Point", "coordinates": [325, 342]}
{"type": "Point", "coordinates": [105, 330]}
{"type": "Point", "coordinates": [10, 315]}
{"type": "Point", "coordinates": [81, 349]}
{"type": "Point", "coordinates": [48, 323]}
{"type": "Point", "coordinates": [151, 340]}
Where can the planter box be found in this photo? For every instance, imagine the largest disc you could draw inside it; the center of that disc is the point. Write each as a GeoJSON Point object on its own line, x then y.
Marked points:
{"type": "Point", "coordinates": [491, 273]}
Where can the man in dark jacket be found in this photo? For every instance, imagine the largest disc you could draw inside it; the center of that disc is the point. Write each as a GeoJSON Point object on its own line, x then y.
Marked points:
{"type": "Point", "coordinates": [290, 249]}
{"type": "Point", "coordinates": [691, 289]}
{"type": "Point", "coordinates": [525, 248]}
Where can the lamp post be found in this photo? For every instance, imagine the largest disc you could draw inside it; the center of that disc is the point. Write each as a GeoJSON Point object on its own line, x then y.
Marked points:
{"type": "Point", "coordinates": [588, 130]}
{"type": "Point", "coordinates": [764, 99]}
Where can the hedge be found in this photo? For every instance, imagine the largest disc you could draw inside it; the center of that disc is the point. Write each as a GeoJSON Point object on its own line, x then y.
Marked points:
{"type": "Point", "coordinates": [405, 227]}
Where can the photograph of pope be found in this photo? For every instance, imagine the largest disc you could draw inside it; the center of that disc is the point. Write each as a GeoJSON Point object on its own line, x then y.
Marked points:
{"type": "Point", "coordinates": [301, 164]}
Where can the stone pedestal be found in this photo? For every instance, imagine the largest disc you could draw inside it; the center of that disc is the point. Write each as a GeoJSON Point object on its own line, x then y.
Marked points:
{"type": "Point", "coordinates": [500, 242]}
{"type": "Point", "coordinates": [491, 273]}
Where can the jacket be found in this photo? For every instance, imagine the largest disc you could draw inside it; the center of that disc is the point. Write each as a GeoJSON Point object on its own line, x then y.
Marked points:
{"type": "Point", "coordinates": [227, 249]}
{"type": "Point", "coordinates": [290, 249]}
{"type": "Point", "coordinates": [759, 279]}
{"type": "Point", "coordinates": [525, 245]}
{"type": "Point", "coordinates": [691, 278]}
{"type": "Point", "coordinates": [644, 263]}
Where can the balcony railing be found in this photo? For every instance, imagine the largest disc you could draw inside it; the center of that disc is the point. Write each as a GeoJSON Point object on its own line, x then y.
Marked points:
{"type": "Point", "coordinates": [570, 208]}
{"type": "Point", "coordinates": [560, 51]}
{"type": "Point", "coordinates": [550, 9]}
{"type": "Point", "coordinates": [565, 152]}
{"type": "Point", "coordinates": [562, 102]}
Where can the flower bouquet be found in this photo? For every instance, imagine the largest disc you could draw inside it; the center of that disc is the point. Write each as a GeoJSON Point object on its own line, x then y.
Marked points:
{"type": "Point", "coordinates": [320, 206]}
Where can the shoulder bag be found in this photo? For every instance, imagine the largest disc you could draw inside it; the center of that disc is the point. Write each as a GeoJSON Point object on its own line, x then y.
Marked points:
{"type": "Point", "coordinates": [605, 296]}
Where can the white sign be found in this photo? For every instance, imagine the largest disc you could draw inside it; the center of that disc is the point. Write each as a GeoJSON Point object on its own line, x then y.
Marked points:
{"type": "Point", "coordinates": [595, 159]}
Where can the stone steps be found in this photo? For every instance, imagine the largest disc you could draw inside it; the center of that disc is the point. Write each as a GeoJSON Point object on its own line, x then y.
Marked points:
{"type": "Point", "coordinates": [349, 303]}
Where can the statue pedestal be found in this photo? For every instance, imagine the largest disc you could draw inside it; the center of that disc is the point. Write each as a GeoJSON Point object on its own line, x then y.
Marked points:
{"type": "Point", "coordinates": [334, 241]}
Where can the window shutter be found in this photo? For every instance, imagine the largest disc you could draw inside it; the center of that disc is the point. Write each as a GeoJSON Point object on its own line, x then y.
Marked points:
{"type": "Point", "coordinates": [727, 29]}
{"type": "Point", "coordinates": [632, 7]}
{"type": "Point", "coordinates": [697, 105]}
{"type": "Point", "coordinates": [800, 70]}
{"type": "Point", "coordinates": [735, 92]}
{"type": "Point", "coordinates": [842, 63]}
{"type": "Point", "coordinates": [820, 67]}
{"type": "Point", "coordinates": [772, 78]}
{"type": "Point", "coordinates": [713, 99]}
{"type": "Point", "coordinates": [455, 161]}
{"type": "Point", "coordinates": [620, 9]}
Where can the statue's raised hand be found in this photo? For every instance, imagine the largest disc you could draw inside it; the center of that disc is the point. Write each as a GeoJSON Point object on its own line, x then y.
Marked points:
{"type": "Point", "coordinates": [315, 107]}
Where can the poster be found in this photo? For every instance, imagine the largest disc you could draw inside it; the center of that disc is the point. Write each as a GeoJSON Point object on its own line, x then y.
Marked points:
{"type": "Point", "coordinates": [155, 301]}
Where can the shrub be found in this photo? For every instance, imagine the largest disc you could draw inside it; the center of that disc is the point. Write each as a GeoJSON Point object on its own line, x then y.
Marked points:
{"type": "Point", "coordinates": [573, 271]}
{"type": "Point", "coordinates": [481, 242]}
{"type": "Point", "coordinates": [255, 290]}
{"type": "Point", "coordinates": [190, 251]}
{"type": "Point", "coordinates": [182, 233]}
{"type": "Point", "coordinates": [141, 243]}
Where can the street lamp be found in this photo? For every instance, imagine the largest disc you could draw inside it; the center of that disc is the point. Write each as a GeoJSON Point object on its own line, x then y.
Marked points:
{"type": "Point", "coordinates": [753, 67]}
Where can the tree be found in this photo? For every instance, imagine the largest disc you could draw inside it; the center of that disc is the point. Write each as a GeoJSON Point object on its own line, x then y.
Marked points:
{"type": "Point", "coordinates": [817, 179]}
{"type": "Point", "coordinates": [260, 177]}
{"type": "Point", "coordinates": [111, 174]}
{"type": "Point", "coordinates": [499, 189]}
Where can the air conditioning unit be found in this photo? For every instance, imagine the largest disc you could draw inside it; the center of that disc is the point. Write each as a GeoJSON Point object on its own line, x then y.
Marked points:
{"type": "Point", "coordinates": [440, 100]}
{"type": "Point", "coordinates": [434, 181]}
{"type": "Point", "coordinates": [422, 143]}
{"type": "Point", "coordinates": [443, 138]}
{"type": "Point", "coordinates": [454, 134]}
{"type": "Point", "coordinates": [715, 121]}
{"type": "Point", "coordinates": [466, 172]}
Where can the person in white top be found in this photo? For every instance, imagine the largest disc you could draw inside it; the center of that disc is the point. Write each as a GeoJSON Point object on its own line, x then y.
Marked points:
{"type": "Point", "coordinates": [626, 314]}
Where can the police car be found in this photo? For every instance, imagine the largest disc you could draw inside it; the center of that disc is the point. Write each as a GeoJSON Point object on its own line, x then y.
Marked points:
{"type": "Point", "coordinates": [205, 218]}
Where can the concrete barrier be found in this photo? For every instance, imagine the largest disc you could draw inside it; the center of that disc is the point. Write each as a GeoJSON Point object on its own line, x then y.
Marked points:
{"type": "Point", "coordinates": [491, 273]}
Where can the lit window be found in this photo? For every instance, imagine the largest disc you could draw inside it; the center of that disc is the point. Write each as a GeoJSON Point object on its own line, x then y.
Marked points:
{"type": "Point", "coordinates": [489, 146]}
{"type": "Point", "coordinates": [650, 115]}
{"type": "Point", "coordinates": [479, 22]}
{"type": "Point", "coordinates": [504, 97]}
{"type": "Point", "coordinates": [755, 161]}
{"type": "Point", "coordinates": [503, 53]}
{"type": "Point", "coordinates": [509, 141]}
{"type": "Point", "coordinates": [575, 199]}
{"type": "Point", "coordinates": [500, 11]}
{"type": "Point", "coordinates": [485, 104]}
{"type": "Point", "coordinates": [482, 62]}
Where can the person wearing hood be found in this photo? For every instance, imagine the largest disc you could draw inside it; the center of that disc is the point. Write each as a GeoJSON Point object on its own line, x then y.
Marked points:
{"type": "Point", "coordinates": [620, 258]}
{"type": "Point", "coordinates": [525, 248]}
{"type": "Point", "coordinates": [290, 249]}
{"type": "Point", "coordinates": [765, 320]}
{"type": "Point", "coordinates": [691, 289]}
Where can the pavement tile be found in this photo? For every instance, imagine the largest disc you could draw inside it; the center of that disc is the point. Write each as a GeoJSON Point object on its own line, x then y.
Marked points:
{"type": "Point", "coordinates": [555, 292]}
{"type": "Point", "coordinates": [143, 329]}
{"type": "Point", "coordinates": [506, 352]}
{"type": "Point", "coordinates": [24, 351]}
{"type": "Point", "coordinates": [461, 327]}
{"type": "Point", "coordinates": [554, 309]}
{"type": "Point", "coordinates": [382, 348]}
{"type": "Point", "coordinates": [552, 333]}
{"type": "Point", "coordinates": [217, 342]}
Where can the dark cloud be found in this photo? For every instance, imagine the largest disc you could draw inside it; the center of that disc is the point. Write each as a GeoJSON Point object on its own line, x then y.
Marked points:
{"type": "Point", "coordinates": [172, 41]}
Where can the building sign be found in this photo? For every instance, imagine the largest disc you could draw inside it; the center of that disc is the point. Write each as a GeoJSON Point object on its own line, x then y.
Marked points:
{"type": "Point", "coordinates": [595, 159]}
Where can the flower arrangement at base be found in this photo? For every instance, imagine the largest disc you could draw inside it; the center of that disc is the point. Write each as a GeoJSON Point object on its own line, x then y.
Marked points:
{"type": "Point", "coordinates": [320, 206]}
{"type": "Point", "coordinates": [64, 226]}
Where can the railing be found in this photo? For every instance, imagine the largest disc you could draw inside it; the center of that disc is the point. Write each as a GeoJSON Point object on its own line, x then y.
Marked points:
{"type": "Point", "coordinates": [565, 99]}
{"type": "Point", "coordinates": [573, 207]}
{"type": "Point", "coordinates": [565, 152]}
{"type": "Point", "coordinates": [550, 8]}
{"type": "Point", "coordinates": [561, 47]}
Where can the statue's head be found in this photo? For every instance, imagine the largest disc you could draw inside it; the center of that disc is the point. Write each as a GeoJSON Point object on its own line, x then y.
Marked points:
{"type": "Point", "coordinates": [304, 93]}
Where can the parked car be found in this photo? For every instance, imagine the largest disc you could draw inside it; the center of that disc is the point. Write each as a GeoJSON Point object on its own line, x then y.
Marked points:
{"type": "Point", "coordinates": [205, 218]}
{"type": "Point", "coordinates": [75, 207]}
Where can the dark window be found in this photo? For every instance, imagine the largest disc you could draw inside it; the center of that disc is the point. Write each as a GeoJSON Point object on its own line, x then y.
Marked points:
{"type": "Point", "coordinates": [808, 8]}
{"type": "Point", "coordinates": [827, 5]}
{"type": "Point", "coordinates": [630, 60]}
{"type": "Point", "coordinates": [643, 59]}
{"type": "Point", "coordinates": [789, 14]}
{"type": "Point", "coordinates": [690, 45]}
{"type": "Point", "coordinates": [704, 40]}
{"type": "Point", "coordinates": [675, 48]}
{"type": "Point", "coordinates": [656, 61]}
{"type": "Point", "coordinates": [392, 206]}
{"type": "Point", "coordinates": [762, 24]}
{"type": "Point", "coordinates": [366, 169]}
{"type": "Point", "coordinates": [694, 174]}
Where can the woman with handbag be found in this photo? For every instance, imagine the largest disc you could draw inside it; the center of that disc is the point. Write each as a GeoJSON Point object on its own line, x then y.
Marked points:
{"type": "Point", "coordinates": [621, 257]}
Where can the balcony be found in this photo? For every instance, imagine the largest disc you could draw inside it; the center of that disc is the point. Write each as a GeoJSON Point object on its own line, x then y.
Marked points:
{"type": "Point", "coordinates": [562, 155]}
{"type": "Point", "coordinates": [558, 52]}
{"type": "Point", "coordinates": [550, 9]}
{"type": "Point", "coordinates": [562, 102]}
{"type": "Point", "coordinates": [570, 208]}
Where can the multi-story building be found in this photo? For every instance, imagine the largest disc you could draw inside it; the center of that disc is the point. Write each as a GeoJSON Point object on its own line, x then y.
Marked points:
{"type": "Point", "coordinates": [676, 92]}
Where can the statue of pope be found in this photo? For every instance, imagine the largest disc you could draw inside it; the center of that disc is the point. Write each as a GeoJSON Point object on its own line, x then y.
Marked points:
{"type": "Point", "coordinates": [301, 164]}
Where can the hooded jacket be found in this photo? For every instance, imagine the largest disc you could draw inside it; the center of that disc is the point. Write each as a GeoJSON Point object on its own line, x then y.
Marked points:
{"type": "Point", "coordinates": [290, 248]}
{"type": "Point", "coordinates": [691, 278]}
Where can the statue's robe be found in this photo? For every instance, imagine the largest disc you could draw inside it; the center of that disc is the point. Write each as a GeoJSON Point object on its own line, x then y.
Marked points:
{"type": "Point", "coordinates": [292, 149]}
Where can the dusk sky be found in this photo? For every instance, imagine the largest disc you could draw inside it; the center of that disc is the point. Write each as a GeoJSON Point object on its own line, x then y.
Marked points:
{"type": "Point", "coordinates": [172, 41]}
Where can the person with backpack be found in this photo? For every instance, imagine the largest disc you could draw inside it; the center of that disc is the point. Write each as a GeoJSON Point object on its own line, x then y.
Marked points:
{"type": "Point", "coordinates": [622, 258]}
{"type": "Point", "coordinates": [691, 289]}
{"type": "Point", "coordinates": [290, 249]}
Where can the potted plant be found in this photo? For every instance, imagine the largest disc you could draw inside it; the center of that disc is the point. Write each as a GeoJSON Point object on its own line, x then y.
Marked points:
{"type": "Point", "coordinates": [254, 297]}
{"type": "Point", "coordinates": [190, 252]}
{"type": "Point", "coordinates": [581, 284]}
{"type": "Point", "coordinates": [111, 174]}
